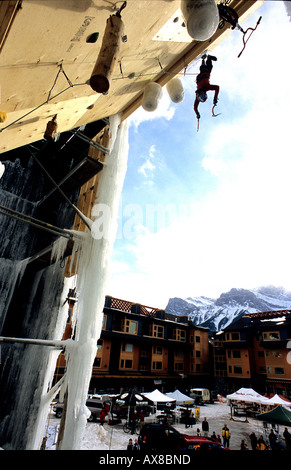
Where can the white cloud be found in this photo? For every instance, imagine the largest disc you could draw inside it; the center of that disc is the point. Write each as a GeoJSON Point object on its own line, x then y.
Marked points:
{"type": "Point", "coordinates": [147, 168]}
{"type": "Point", "coordinates": [165, 110]}
{"type": "Point", "coordinates": [214, 165]}
{"type": "Point", "coordinates": [238, 235]}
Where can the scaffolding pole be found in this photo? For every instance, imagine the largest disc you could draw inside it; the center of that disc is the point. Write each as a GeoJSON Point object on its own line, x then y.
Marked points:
{"type": "Point", "coordinates": [40, 342]}
{"type": "Point", "coordinates": [36, 222]}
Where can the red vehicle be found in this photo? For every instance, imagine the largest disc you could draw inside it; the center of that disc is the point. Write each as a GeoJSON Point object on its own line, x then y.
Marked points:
{"type": "Point", "coordinates": [202, 443]}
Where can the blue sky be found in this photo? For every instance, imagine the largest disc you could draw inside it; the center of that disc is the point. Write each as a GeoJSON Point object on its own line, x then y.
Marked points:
{"type": "Point", "coordinates": [202, 212]}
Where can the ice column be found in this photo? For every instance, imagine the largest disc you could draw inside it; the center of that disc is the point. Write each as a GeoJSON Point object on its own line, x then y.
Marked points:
{"type": "Point", "coordinates": [92, 277]}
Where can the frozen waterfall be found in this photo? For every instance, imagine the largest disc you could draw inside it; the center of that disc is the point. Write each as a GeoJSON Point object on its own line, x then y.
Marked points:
{"type": "Point", "coordinates": [92, 277]}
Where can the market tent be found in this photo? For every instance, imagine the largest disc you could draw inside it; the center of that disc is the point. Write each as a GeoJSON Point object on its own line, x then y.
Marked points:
{"type": "Point", "coordinates": [158, 397]}
{"type": "Point", "coordinates": [276, 400]}
{"type": "Point", "coordinates": [180, 398]}
{"type": "Point", "coordinates": [248, 395]}
{"type": "Point", "coordinates": [131, 398]}
{"type": "Point", "coordinates": [278, 415]}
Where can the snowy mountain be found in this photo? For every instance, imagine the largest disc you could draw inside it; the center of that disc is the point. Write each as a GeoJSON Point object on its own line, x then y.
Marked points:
{"type": "Point", "coordinates": [216, 314]}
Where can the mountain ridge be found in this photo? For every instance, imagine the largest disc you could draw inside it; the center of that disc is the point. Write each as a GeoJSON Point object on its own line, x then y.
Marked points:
{"type": "Point", "coordinates": [216, 314]}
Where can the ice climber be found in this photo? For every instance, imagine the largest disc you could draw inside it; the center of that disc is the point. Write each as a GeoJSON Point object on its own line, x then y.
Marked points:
{"type": "Point", "coordinates": [203, 84]}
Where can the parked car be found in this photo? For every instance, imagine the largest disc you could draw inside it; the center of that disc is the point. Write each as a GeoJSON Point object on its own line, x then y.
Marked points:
{"type": "Point", "coordinates": [95, 406]}
{"type": "Point", "coordinates": [202, 443]}
{"type": "Point", "coordinates": [161, 437]}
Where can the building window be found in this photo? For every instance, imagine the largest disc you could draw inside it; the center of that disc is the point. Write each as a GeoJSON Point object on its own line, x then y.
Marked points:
{"type": "Point", "coordinates": [232, 336]}
{"type": "Point", "coordinates": [157, 365]}
{"type": "Point", "coordinates": [104, 321]}
{"type": "Point", "coordinates": [157, 350]}
{"type": "Point", "coordinates": [197, 339]}
{"type": "Point", "coordinates": [126, 347]}
{"type": "Point", "coordinates": [197, 353]}
{"type": "Point", "coordinates": [99, 344]}
{"type": "Point", "coordinates": [157, 331]}
{"type": "Point", "coordinates": [97, 362]}
{"type": "Point", "coordinates": [179, 366]}
{"type": "Point", "coordinates": [236, 354]}
{"type": "Point", "coordinates": [279, 371]}
{"type": "Point", "coordinates": [126, 364]}
{"type": "Point", "coordinates": [271, 336]}
{"type": "Point", "coordinates": [179, 353]}
{"type": "Point", "coordinates": [261, 354]}
{"type": "Point", "coordinates": [129, 326]}
{"type": "Point", "coordinates": [237, 370]}
{"type": "Point", "coordinates": [179, 335]}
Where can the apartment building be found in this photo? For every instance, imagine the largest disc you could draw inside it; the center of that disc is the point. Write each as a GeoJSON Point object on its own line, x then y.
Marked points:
{"type": "Point", "coordinates": [147, 347]}
{"type": "Point", "coordinates": [255, 352]}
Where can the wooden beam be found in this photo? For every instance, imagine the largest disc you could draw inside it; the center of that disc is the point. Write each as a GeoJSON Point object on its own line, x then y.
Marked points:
{"type": "Point", "coordinates": [8, 11]}
{"type": "Point", "coordinates": [108, 56]}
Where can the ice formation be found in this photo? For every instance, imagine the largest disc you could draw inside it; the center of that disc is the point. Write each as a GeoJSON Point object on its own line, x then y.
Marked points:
{"type": "Point", "coordinates": [92, 277]}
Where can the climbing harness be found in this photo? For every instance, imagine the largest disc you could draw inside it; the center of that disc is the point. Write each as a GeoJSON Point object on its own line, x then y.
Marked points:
{"type": "Point", "coordinates": [229, 15]}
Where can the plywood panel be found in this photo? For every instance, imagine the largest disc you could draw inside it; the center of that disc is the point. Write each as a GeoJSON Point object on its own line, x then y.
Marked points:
{"type": "Point", "coordinates": [47, 33]}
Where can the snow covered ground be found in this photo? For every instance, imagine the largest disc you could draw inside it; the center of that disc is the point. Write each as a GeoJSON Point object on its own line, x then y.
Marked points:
{"type": "Point", "coordinates": [109, 438]}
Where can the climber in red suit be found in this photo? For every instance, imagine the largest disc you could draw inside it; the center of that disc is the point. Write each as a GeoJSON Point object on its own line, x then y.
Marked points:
{"type": "Point", "coordinates": [203, 84]}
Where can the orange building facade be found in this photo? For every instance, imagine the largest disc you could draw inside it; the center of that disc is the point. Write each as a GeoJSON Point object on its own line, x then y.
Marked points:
{"type": "Point", "coordinates": [255, 352]}
{"type": "Point", "coordinates": [146, 346]}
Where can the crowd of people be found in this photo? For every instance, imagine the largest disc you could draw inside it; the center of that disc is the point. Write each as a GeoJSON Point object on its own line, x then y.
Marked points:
{"type": "Point", "coordinates": [271, 442]}
{"type": "Point", "coordinates": [133, 446]}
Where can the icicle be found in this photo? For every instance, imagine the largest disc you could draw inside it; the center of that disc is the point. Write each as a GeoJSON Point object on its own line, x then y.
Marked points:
{"type": "Point", "coordinates": [92, 278]}
{"type": "Point", "coordinates": [58, 249]}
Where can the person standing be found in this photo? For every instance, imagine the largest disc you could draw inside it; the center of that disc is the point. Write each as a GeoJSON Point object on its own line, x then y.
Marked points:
{"type": "Point", "coordinates": [287, 437]}
{"type": "Point", "coordinates": [261, 444]}
{"type": "Point", "coordinates": [254, 441]}
{"type": "Point", "coordinates": [205, 427]}
{"type": "Point", "coordinates": [243, 445]}
{"type": "Point", "coordinates": [102, 416]}
{"type": "Point", "coordinates": [129, 445]}
{"type": "Point", "coordinates": [141, 418]}
{"type": "Point", "coordinates": [225, 435]}
{"type": "Point", "coordinates": [272, 439]}
{"type": "Point", "coordinates": [136, 445]}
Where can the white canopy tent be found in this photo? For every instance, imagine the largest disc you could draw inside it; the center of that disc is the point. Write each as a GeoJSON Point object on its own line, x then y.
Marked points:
{"type": "Point", "coordinates": [158, 397]}
{"type": "Point", "coordinates": [181, 398]}
{"type": "Point", "coordinates": [248, 395]}
{"type": "Point", "coordinates": [246, 398]}
{"type": "Point", "coordinates": [276, 400]}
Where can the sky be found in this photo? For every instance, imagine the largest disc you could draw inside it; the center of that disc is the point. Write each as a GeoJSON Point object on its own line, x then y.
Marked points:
{"type": "Point", "coordinates": [203, 212]}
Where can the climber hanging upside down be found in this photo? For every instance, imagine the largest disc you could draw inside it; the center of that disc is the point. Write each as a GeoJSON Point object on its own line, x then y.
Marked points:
{"type": "Point", "coordinates": [203, 84]}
